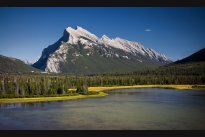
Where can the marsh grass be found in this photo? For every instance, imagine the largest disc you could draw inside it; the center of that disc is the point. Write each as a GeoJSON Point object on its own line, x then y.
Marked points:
{"type": "Point", "coordinates": [144, 86]}
{"type": "Point", "coordinates": [56, 98]}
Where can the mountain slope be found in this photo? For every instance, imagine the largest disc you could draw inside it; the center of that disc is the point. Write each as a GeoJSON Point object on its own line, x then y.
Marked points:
{"type": "Point", "coordinates": [12, 65]}
{"type": "Point", "coordinates": [79, 51]}
{"type": "Point", "coordinates": [196, 57]}
{"type": "Point", "coordinates": [191, 65]}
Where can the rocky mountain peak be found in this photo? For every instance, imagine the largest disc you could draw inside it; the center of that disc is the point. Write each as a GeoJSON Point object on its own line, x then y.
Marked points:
{"type": "Point", "coordinates": [70, 45]}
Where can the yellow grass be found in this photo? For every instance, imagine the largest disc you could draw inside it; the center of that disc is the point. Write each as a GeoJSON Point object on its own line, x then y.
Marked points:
{"type": "Point", "coordinates": [142, 86]}
{"type": "Point", "coordinates": [37, 99]}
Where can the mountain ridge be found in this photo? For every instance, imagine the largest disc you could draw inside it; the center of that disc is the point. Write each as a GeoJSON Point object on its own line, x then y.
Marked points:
{"type": "Point", "coordinates": [54, 56]}
{"type": "Point", "coordinates": [195, 57]}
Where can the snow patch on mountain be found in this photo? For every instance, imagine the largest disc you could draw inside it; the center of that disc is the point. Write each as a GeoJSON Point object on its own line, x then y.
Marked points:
{"type": "Point", "coordinates": [126, 57]}
{"type": "Point", "coordinates": [89, 40]}
{"type": "Point", "coordinates": [132, 47]}
{"type": "Point", "coordinates": [76, 35]}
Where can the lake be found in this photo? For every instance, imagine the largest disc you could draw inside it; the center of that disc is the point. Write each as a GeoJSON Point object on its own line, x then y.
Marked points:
{"type": "Point", "coordinates": [123, 109]}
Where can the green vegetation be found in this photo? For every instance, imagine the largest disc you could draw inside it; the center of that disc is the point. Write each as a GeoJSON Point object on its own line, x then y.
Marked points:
{"type": "Point", "coordinates": [63, 85]}
{"type": "Point", "coordinates": [39, 85]}
{"type": "Point", "coordinates": [82, 90]}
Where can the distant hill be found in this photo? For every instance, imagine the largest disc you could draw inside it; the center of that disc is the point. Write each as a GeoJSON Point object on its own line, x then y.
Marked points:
{"type": "Point", "coordinates": [191, 65]}
{"type": "Point", "coordinates": [13, 65]}
{"type": "Point", "coordinates": [196, 57]}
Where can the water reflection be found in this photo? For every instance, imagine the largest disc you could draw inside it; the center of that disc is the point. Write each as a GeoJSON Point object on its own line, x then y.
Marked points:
{"type": "Point", "coordinates": [121, 92]}
{"type": "Point", "coordinates": [23, 105]}
{"type": "Point", "coordinates": [122, 109]}
{"type": "Point", "coordinates": [124, 91]}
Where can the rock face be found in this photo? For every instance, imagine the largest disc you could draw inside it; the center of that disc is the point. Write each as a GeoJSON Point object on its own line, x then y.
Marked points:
{"type": "Point", "coordinates": [79, 51]}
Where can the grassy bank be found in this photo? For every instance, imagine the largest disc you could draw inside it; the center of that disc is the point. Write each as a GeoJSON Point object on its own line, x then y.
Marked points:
{"type": "Point", "coordinates": [202, 87]}
{"type": "Point", "coordinates": [101, 93]}
{"type": "Point", "coordinates": [37, 99]}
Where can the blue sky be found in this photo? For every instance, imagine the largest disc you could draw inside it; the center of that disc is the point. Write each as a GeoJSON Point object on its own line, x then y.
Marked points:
{"type": "Point", "coordinates": [175, 32]}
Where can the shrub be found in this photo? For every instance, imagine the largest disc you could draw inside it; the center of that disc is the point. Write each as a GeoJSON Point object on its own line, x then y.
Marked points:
{"type": "Point", "coordinates": [82, 90]}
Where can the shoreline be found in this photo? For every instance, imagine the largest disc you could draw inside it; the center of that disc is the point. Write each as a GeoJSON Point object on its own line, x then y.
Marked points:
{"type": "Point", "coordinates": [96, 89]}
{"type": "Point", "coordinates": [46, 99]}
{"type": "Point", "coordinates": [181, 87]}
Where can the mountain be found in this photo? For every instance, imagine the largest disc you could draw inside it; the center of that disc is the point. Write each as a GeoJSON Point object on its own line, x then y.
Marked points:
{"type": "Point", "coordinates": [191, 65]}
{"type": "Point", "coordinates": [79, 51]}
{"type": "Point", "coordinates": [13, 65]}
{"type": "Point", "coordinates": [196, 57]}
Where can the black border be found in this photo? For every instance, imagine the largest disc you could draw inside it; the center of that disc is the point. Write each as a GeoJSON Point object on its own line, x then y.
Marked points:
{"type": "Point", "coordinates": [102, 3]}
{"type": "Point", "coordinates": [103, 133]}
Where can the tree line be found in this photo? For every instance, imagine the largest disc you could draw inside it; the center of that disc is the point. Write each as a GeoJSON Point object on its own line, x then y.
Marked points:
{"type": "Point", "coordinates": [31, 85]}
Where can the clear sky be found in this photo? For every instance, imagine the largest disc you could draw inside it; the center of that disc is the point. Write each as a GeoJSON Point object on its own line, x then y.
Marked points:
{"type": "Point", "coordinates": [175, 32]}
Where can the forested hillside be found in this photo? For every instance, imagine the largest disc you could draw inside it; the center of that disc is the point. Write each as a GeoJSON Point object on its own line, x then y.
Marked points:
{"type": "Point", "coordinates": [13, 65]}
{"type": "Point", "coordinates": [50, 85]}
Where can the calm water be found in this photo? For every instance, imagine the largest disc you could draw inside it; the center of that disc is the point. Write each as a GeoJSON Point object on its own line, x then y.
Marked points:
{"type": "Point", "coordinates": [130, 109]}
